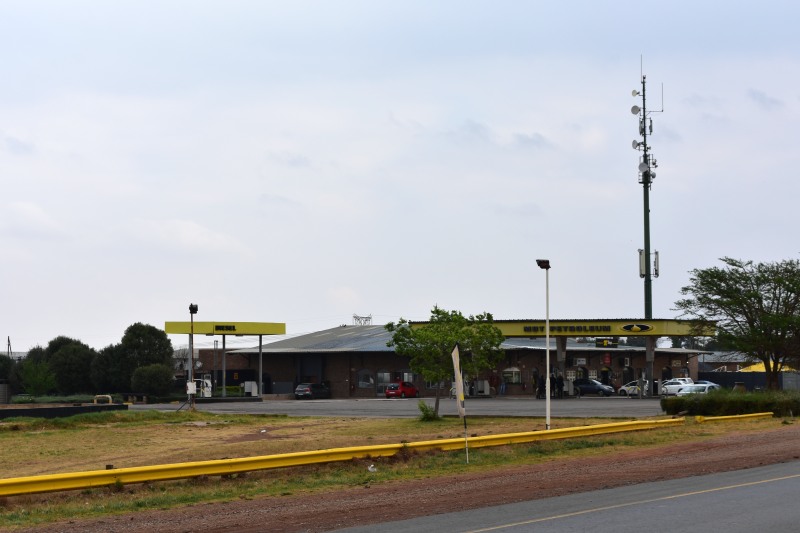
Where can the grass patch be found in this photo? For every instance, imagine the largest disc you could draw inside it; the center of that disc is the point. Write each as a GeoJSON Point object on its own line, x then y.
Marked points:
{"type": "Point", "coordinates": [121, 438]}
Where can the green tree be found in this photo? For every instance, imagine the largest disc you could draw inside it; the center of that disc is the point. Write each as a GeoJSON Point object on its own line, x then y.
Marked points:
{"type": "Point", "coordinates": [153, 379]}
{"type": "Point", "coordinates": [56, 344]}
{"type": "Point", "coordinates": [37, 378]}
{"type": "Point", "coordinates": [755, 308]}
{"type": "Point", "coordinates": [36, 354]}
{"type": "Point", "coordinates": [70, 366]}
{"type": "Point", "coordinates": [142, 345]}
{"type": "Point", "coordinates": [430, 345]}
{"type": "Point", "coordinates": [102, 370]}
{"type": "Point", "coordinates": [6, 366]}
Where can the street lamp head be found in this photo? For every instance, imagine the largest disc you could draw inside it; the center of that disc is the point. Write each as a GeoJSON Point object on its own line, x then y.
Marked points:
{"type": "Point", "coordinates": [192, 309]}
{"type": "Point", "coordinates": [543, 263]}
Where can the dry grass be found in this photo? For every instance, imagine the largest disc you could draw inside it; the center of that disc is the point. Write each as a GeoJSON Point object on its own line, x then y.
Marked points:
{"type": "Point", "coordinates": [35, 447]}
{"type": "Point", "coordinates": [123, 439]}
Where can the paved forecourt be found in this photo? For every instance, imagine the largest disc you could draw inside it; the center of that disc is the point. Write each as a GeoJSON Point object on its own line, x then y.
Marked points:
{"type": "Point", "coordinates": [588, 407]}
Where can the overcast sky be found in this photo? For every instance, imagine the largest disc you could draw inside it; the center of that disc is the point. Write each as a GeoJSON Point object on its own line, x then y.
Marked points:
{"type": "Point", "coordinates": [301, 162]}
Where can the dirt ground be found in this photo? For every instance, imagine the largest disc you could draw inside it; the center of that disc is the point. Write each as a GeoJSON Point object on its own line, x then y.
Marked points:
{"type": "Point", "coordinates": [397, 501]}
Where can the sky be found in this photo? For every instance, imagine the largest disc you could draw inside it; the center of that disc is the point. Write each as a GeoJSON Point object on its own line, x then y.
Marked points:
{"type": "Point", "coordinates": [303, 162]}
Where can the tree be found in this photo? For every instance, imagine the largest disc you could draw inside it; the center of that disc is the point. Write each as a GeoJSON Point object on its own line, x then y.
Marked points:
{"type": "Point", "coordinates": [153, 379]}
{"type": "Point", "coordinates": [429, 346]}
{"type": "Point", "coordinates": [754, 307]}
{"type": "Point", "coordinates": [102, 370]}
{"type": "Point", "coordinates": [142, 345]}
{"type": "Point", "coordinates": [36, 354]}
{"type": "Point", "coordinates": [6, 366]}
{"type": "Point", "coordinates": [56, 344]}
{"type": "Point", "coordinates": [37, 378]}
{"type": "Point", "coordinates": [70, 366]}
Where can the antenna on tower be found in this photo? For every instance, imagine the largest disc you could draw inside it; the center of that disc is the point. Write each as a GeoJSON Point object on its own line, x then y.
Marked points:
{"type": "Point", "coordinates": [362, 320]}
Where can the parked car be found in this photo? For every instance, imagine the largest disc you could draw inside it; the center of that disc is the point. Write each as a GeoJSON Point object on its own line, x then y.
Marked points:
{"type": "Point", "coordinates": [311, 391]}
{"type": "Point", "coordinates": [704, 382]}
{"type": "Point", "coordinates": [694, 388]}
{"type": "Point", "coordinates": [402, 389]}
{"type": "Point", "coordinates": [583, 386]}
{"type": "Point", "coordinates": [672, 386]}
{"type": "Point", "coordinates": [632, 389]}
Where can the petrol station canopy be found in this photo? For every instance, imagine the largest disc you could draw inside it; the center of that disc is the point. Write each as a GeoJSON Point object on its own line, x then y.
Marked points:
{"type": "Point", "coordinates": [225, 328]}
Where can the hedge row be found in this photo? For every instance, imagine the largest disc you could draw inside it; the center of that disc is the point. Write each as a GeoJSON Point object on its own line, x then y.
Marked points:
{"type": "Point", "coordinates": [726, 403]}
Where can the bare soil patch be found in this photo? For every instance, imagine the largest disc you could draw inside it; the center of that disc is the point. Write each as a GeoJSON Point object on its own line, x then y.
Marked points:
{"type": "Point", "coordinates": [395, 501]}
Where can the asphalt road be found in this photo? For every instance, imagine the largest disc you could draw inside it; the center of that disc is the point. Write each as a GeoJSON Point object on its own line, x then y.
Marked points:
{"type": "Point", "coordinates": [585, 407]}
{"type": "Point", "coordinates": [743, 501]}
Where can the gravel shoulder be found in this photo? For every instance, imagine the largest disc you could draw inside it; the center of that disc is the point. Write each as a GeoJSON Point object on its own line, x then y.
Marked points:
{"type": "Point", "coordinates": [396, 501]}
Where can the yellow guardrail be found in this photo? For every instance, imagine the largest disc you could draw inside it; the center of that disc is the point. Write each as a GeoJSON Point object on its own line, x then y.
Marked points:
{"type": "Point", "coordinates": [142, 474]}
{"type": "Point", "coordinates": [701, 419]}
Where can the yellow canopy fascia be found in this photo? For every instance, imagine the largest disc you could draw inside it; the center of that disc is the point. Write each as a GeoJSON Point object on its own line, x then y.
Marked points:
{"type": "Point", "coordinates": [226, 328]}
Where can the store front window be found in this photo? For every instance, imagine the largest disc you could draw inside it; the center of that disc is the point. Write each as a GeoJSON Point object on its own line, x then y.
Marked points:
{"type": "Point", "coordinates": [384, 378]}
{"type": "Point", "coordinates": [512, 375]}
{"type": "Point", "coordinates": [366, 380]}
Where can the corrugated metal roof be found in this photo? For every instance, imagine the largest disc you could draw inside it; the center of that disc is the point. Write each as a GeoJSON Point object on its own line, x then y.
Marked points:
{"type": "Point", "coordinates": [374, 339]}
{"type": "Point", "coordinates": [340, 339]}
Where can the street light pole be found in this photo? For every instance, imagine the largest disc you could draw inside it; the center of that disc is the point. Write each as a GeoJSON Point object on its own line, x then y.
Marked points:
{"type": "Point", "coordinates": [545, 265]}
{"type": "Point", "coordinates": [191, 386]}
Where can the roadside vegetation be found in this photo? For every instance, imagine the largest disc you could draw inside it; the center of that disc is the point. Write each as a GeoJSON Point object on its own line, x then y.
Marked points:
{"type": "Point", "coordinates": [122, 439]}
{"type": "Point", "coordinates": [727, 402]}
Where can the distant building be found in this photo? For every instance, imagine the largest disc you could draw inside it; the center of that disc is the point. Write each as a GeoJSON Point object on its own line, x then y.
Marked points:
{"type": "Point", "coordinates": [355, 362]}
{"type": "Point", "coordinates": [16, 356]}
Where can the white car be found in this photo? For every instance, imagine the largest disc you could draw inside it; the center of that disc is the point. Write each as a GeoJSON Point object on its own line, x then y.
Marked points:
{"type": "Point", "coordinates": [694, 388]}
{"type": "Point", "coordinates": [704, 382]}
{"type": "Point", "coordinates": [632, 389]}
{"type": "Point", "coordinates": [672, 386]}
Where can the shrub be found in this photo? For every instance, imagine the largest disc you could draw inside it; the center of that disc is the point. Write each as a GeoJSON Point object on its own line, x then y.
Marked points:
{"type": "Point", "coordinates": [427, 413]}
{"type": "Point", "coordinates": [727, 403]}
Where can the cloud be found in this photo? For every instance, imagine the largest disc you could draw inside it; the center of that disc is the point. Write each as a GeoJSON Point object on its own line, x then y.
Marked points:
{"type": "Point", "coordinates": [18, 147]}
{"type": "Point", "coordinates": [27, 220]}
{"type": "Point", "coordinates": [344, 297]}
{"type": "Point", "coordinates": [531, 140]}
{"type": "Point", "coordinates": [765, 101]}
{"type": "Point", "coordinates": [185, 236]}
{"type": "Point", "coordinates": [471, 132]}
{"type": "Point", "coordinates": [278, 201]}
{"type": "Point", "coordinates": [519, 210]}
{"type": "Point", "coordinates": [290, 159]}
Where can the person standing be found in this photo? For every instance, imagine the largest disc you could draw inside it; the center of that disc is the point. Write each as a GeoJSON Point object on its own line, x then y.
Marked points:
{"type": "Point", "coordinates": [560, 386]}
{"type": "Point", "coordinates": [540, 389]}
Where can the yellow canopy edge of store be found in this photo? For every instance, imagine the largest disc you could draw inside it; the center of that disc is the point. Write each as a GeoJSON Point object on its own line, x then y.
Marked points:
{"type": "Point", "coordinates": [598, 328]}
{"type": "Point", "coordinates": [226, 328]}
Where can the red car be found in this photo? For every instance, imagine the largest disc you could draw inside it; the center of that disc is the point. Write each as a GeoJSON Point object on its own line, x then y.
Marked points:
{"type": "Point", "coordinates": [403, 389]}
